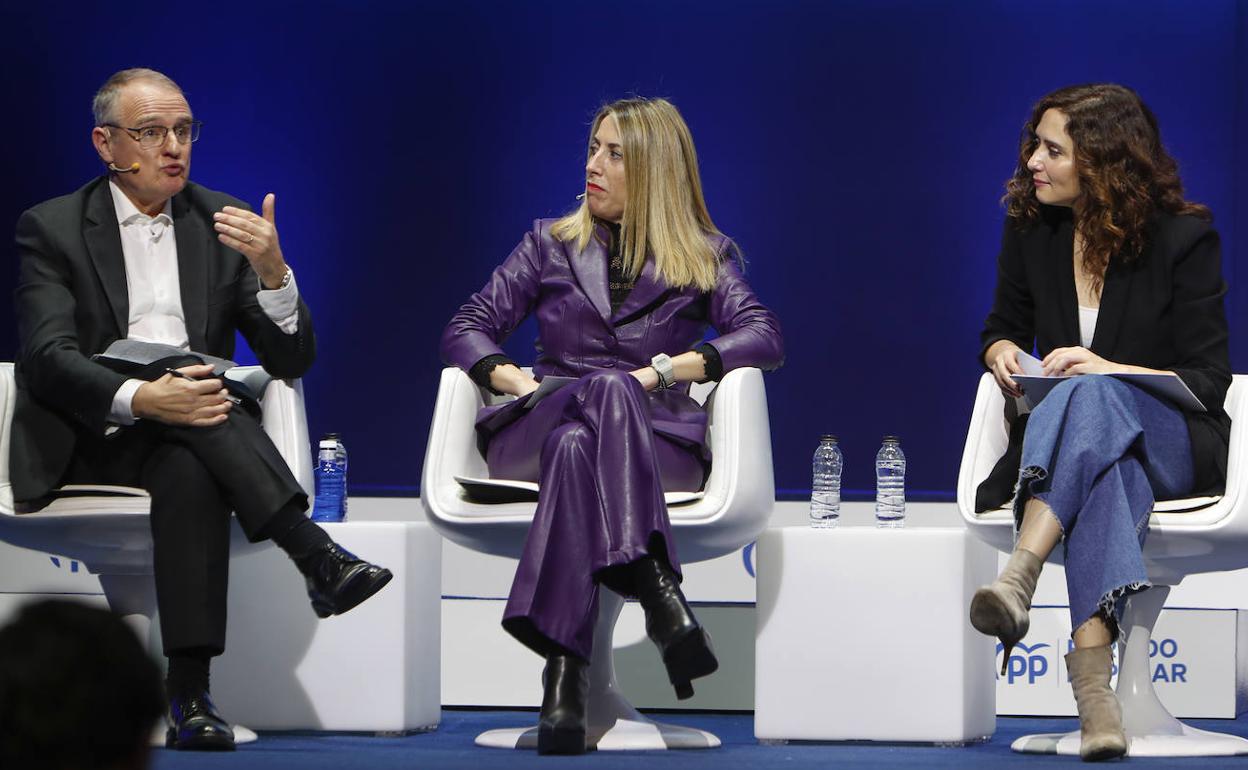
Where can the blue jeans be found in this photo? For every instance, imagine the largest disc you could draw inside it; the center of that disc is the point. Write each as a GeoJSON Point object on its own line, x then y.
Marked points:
{"type": "Point", "coordinates": [1099, 452]}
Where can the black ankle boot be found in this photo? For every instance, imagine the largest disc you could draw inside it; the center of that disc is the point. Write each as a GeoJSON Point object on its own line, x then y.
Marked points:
{"type": "Point", "coordinates": [561, 729]}
{"type": "Point", "coordinates": [683, 643]}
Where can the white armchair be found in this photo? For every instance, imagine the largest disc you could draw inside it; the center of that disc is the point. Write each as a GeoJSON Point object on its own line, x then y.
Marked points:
{"type": "Point", "coordinates": [739, 496]}
{"type": "Point", "coordinates": [1207, 534]}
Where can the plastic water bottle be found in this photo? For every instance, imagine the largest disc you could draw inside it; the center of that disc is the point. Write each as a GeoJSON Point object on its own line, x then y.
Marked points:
{"type": "Point", "coordinates": [331, 480]}
{"type": "Point", "coordinates": [825, 495]}
{"type": "Point", "coordinates": [890, 484]}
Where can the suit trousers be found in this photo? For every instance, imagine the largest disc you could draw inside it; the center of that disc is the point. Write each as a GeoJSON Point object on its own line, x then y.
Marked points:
{"type": "Point", "coordinates": [196, 477]}
{"type": "Point", "coordinates": [602, 471]}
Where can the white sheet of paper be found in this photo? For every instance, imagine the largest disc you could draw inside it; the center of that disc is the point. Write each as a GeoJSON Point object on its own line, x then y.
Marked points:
{"type": "Point", "coordinates": [1169, 386]}
{"type": "Point", "coordinates": [1030, 364]}
{"type": "Point", "coordinates": [548, 385]}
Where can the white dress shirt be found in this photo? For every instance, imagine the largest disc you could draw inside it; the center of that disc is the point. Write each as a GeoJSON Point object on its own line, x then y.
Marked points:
{"type": "Point", "coordinates": [155, 294]}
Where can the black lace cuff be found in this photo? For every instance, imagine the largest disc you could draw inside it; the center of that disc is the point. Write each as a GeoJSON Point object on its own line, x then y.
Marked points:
{"type": "Point", "coordinates": [714, 364]}
{"type": "Point", "coordinates": [480, 371]}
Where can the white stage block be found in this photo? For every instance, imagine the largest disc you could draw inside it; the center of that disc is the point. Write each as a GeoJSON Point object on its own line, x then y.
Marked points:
{"type": "Point", "coordinates": [863, 635]}
{"type": "Point", "coordinates": [375, 668]}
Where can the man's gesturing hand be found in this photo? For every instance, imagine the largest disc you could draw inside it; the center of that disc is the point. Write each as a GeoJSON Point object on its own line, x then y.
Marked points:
{"type": "Point", "coordinates": [180, 401]}
{"type": "Point", "coordinates": [255, 237]}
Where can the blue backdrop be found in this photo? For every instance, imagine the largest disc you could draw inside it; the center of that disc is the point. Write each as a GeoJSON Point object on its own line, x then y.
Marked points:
{"type": "Point", "coordinates": [856, 150]}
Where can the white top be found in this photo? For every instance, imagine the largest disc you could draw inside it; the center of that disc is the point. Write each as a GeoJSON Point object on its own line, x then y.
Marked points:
{"type": "Point", "coordinates": [1087, 324]}
{"type": "Point", "coordinates": [152, 284]}
{"type": "Point", "coordinates": [155, 294]}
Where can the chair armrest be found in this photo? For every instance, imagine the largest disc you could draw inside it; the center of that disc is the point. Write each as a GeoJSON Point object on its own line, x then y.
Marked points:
{"type": "Point", "coordinates": [285, 419]}
{"type": "Point", "coordinates": [986, 440]}
{"type": "Point", "coordinates": [1236, 407]}
{"type": "Point", "coordinates": [8, 395]}
{"type": "Point", "coordinates": [742, 481]}
{"type": "Point", "coordinates": [452, 446]}
{"type": "Point", "coordinates": [738, 430]}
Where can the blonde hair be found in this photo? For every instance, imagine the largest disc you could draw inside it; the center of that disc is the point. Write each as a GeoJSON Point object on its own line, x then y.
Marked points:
{"type": "Point", "coordinates": [664, 211]}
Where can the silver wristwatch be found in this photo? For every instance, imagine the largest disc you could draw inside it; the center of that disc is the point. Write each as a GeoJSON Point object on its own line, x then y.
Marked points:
{"type": "Point", "coordinates": [662, 365]}
{"type": "Point", "coordinates": [286, 279]}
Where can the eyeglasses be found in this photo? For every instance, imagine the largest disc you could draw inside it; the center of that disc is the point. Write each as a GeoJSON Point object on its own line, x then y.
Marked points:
{"type": "Point", "coordinates": [151, 137]}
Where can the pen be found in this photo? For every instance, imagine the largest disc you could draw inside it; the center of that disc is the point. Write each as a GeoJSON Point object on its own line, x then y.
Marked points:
{"type": "Point", "coordinates": [235, 400]}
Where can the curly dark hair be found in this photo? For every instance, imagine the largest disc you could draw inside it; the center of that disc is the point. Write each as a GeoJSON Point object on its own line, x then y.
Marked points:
{"type": "Point", "coordinates": [1125, 174]}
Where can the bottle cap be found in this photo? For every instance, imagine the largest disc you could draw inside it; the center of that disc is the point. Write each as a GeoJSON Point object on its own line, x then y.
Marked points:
{"type": "Point", "coordinates": [828, 437]}
{"type": "Point", "coordinates": [893, 439]}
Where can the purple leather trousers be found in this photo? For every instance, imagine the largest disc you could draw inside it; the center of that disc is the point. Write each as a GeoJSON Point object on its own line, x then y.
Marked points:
{"type": "Point", "coordinates": [603, 470]}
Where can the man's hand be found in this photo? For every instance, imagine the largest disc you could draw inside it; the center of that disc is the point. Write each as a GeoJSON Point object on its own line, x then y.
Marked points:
{"type": "Point", "coordinates": [181, 401]}
{"type": "Point", "coordinates": [255, 237]}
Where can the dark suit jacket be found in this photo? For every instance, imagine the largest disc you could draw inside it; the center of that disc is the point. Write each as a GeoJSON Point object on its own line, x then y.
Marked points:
{"type": "Point", "coordinates": [1162, 311]}
{"type": "Point", "coordinates": [578, 333]}
{"type": "Point", "coordinates": [72, 302]}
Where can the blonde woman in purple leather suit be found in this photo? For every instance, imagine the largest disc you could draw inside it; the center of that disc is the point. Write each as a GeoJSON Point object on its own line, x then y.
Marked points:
{"type": "Point", "coordinates": [624, 289]}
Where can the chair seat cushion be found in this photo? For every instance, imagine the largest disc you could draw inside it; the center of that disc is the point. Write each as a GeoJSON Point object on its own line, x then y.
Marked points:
{"type": "Point", "coordinates": [1181, 505]}
{"type": "Point", "coordinates": [485, 490]}
{"type": "Point", "coordinates": [89, 498]}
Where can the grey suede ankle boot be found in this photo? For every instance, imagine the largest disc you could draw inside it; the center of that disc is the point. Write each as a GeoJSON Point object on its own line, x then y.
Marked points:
{"type": "Point", "coordinates": [1000, 609]}
{"type": "Point", "coordinates": [1100, 716]}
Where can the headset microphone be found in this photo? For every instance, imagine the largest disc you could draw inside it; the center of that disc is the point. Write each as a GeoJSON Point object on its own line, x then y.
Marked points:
{"type": "Point", "coordinates": [581, 197]}
{"type": "Point", "coordinates": [134, 168]}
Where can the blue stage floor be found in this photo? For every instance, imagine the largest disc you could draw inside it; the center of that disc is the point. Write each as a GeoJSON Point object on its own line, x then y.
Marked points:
{"type": "Point", "coordinates": [451, 746]}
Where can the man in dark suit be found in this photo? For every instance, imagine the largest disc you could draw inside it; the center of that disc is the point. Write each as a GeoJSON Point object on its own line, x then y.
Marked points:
{"type": "Point", "coordinates": [144, 254]}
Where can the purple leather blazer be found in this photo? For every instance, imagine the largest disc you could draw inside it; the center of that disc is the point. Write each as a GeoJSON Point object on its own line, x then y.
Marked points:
{"type": "Point", "coordinates": [578, 333]}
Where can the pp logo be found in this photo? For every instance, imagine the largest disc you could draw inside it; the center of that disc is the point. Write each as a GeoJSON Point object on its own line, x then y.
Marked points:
{"type": "Point", "coordinates": [1027, 662]}
{"type": "Point", "coordinates": [747, 556]}
{"type": "Point", "coordinates": [73, 564]}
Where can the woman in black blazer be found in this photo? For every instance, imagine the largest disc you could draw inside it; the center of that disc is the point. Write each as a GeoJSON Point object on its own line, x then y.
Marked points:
{"type": "Point", "coordinates": [1104, 268]}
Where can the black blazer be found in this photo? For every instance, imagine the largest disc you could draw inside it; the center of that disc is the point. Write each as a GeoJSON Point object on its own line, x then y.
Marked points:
{"type": "Point", "coordinates": [72, 302]}
{"type": "Point", "coordinates": [1162, 311]}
